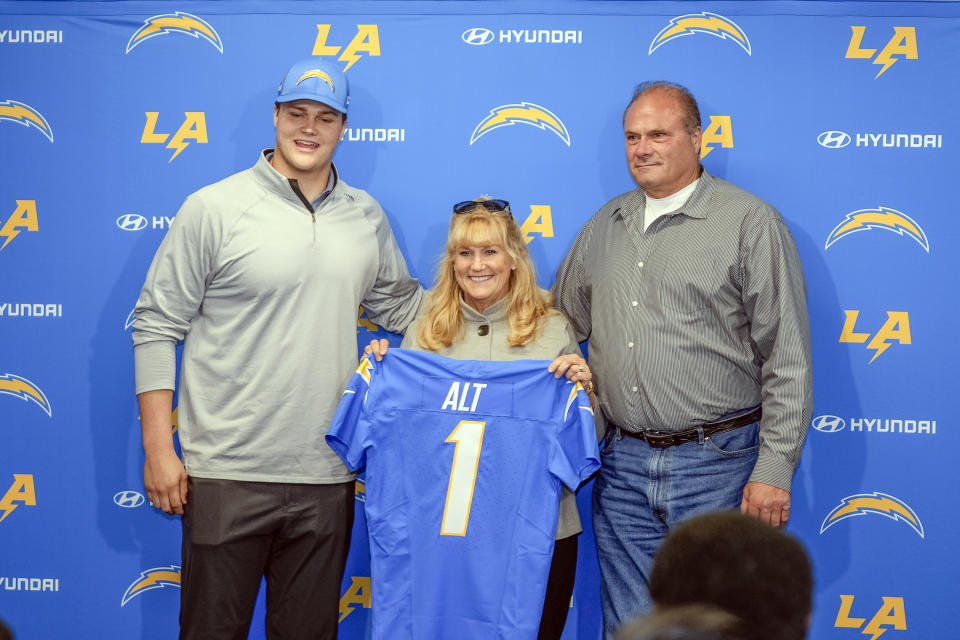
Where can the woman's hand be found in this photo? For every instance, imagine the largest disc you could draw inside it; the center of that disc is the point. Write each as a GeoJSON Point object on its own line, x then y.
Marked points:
{"type": "Point", "coordinates": [377, 347]}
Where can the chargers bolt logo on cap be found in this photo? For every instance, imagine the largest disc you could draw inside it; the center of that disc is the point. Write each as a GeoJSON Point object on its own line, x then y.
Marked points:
{"type": "Point", "coordinates": [318, 79]}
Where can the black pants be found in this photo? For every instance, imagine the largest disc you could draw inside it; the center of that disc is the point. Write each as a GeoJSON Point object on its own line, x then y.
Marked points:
{"type": "Point", "coordinates": [556, 603]}
{"type": "Point", "coordinates": [296, 535]}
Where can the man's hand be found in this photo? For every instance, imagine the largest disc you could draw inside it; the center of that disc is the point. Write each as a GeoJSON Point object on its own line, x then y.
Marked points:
{"type": "Point", "coordinates": [164, 477]}
{"type": "Point", "coordinates": [766, 502]}
{"type": "Point", "coordinates": [166, 481]}
{"type": "Point", "coordinates": [377, 347]}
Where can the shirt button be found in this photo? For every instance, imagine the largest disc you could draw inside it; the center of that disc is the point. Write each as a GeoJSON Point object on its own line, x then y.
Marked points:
{"type": "Point", "coordinates": [630, 345]}
{"type": "Point", "coordinates": [635, 389]}
{"type": "Point", "coordinates": [634, 303]}
{"type": "Point", "coordinates": [640, 264]}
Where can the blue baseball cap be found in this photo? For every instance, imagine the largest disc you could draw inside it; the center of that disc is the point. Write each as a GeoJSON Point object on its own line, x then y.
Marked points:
{"type": "Point", "coordinates": [316, 78]}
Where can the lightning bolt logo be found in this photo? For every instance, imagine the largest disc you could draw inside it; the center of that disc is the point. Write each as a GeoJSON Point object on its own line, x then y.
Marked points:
{"type": "Point", "coordinates": [878, 344]}
{"type": "Point", "coordinates": [879, 218]}
{"type": "Point", "coordinates": [155, 578]}
{"type": "Point", "coordinates": [25, 390]}
{"type": "Point", "coordinates": [179, 144]}
{"type": "Point", "coordinates": [6, 508]}
{"type": "Point", "coordinates": [177, 22]}
{"type": "Point", "coordinates": [903, 42]}
{"type": "Point", "coordinates": [874, 629]}
{"type": "Point", "coordinates": [876, 503]}
{"type": "Point", "coordinates": [351, 58]}
{"type": "Point", "coordinates": [523, 113]}
{"type": "Point", "coordinates": [26, 115]}
{"type": "Point", "coordinates": [345, 610]}
{"type": "Point", "coordinates": [573, 396]}
{"type": "Point", "coordinates": [577, 388]}
{"type": "Point", "coordinates": [317, 73]}
{"type": "Point", "coordinates": [365, 367]}
{"type": "Point", "coordinates": [887, 61]}
{"type": "Point", "coordinates": [705, 22]}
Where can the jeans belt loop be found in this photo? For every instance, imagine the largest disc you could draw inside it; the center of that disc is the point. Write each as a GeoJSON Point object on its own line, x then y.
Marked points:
{"type": "Point", "coordinates": [700, 437]}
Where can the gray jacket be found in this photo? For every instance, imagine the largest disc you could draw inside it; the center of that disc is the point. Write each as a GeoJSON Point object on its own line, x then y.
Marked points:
{"type": "Point", "coordinates": [264, 294]}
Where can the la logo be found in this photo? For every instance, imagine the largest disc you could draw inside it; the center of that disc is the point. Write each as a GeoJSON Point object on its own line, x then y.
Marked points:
{"type": "Point", "coordinates": [22, 491]}
{"type": "Point", "coordinates": [902, 43]}
{"type": "Point", "coordinates": [366, 41]}
{"type": "Point", "coordinates": [897, 327]}
{"type": "Point", "coordinates": [539, 221]}
{"type": "Point", "coordinates": [194, 128]}
{"type": "Point", "coordinates": [23, 217]}
{"type": "Point", "coordinates": [718, 132]}
{"type": "Point", "coordinates": [890, 614]}
{"type": "Point", "coordinates": [356, 595]}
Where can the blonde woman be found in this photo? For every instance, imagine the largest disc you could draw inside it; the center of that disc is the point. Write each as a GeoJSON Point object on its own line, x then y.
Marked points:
{"type": "Point", "coordinates": [486, 305]}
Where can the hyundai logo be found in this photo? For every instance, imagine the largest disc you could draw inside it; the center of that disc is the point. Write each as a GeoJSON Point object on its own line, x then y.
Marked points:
{"type": "Point", "coordinates": [128, 499]}
{"type": "Point", "coordinates": [833, 139]}
{"type": "Point", "coordinates": [828, 424]}
{"type": "Point", "coordinates": [477, 35]}
{"type": "Point", "coordinates": [131, 222]}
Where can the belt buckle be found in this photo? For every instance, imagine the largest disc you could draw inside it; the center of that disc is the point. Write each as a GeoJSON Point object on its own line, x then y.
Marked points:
{"type": "Point", "coordinates": [659, 440]}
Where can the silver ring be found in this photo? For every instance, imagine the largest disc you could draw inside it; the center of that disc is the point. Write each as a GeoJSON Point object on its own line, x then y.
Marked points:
{"type": "Point", "coordinates": [581, 368]}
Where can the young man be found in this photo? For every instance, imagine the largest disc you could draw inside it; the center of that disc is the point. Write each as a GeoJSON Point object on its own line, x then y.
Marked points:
{"type": "Point", "coordinates": [261, 276]}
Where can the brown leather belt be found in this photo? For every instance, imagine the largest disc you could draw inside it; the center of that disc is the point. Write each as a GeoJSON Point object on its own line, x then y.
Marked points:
{"type": "Point", "coordinates": [664, 439]}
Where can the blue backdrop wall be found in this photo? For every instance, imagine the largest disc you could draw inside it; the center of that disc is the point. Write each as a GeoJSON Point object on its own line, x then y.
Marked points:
{"type": "Point", "coordinates": [838, 113]}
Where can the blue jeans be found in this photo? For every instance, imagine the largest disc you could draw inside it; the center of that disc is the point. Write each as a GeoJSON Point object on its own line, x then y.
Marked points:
{"type": "Point", "coordinates": [641, 492]}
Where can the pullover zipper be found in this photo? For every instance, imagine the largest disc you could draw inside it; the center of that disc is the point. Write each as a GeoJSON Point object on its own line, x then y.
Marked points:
{"type": "Point", "coordinates": [313, 214]}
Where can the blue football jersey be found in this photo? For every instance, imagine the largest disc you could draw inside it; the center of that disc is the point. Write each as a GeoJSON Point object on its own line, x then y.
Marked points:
{"type": "Point", "coordinates": [464, 463]}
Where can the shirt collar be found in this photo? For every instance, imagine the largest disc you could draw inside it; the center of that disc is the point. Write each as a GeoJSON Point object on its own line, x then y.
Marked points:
{"type": "Point", "coordinates": [332, 181]}
{"type": "Point", "coordinates": [287, 188]}
{"type": "Point", "coordinates": [696, 207]}
{"type": "Point", "coordinates": [495, 312]}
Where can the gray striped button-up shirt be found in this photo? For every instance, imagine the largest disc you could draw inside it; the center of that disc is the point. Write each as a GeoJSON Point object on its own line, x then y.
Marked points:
{"type": "Point", "coordinates": [702, 315]}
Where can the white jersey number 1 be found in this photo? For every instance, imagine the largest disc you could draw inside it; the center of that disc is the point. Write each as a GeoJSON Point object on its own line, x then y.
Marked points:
{"type": "Point", "coordinates": [468, 436]}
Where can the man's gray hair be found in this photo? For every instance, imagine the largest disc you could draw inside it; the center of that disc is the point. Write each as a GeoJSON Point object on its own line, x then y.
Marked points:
{"type": "Point", "coordinates": [691, 120]}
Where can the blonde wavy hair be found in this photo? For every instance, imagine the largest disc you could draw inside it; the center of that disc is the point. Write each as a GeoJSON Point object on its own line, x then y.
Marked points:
{"type": "Point", "coordinates": [528, 306]}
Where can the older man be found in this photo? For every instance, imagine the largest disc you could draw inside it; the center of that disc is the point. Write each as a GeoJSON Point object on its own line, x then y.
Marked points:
{"type": "Point", "coordinates": [693, 298]}
{"type": "Point", "coordinates": [261, 276]}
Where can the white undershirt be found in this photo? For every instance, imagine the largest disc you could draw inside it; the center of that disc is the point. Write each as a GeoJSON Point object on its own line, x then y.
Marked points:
{"type": "Point", "coordinates": [656, 207]}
